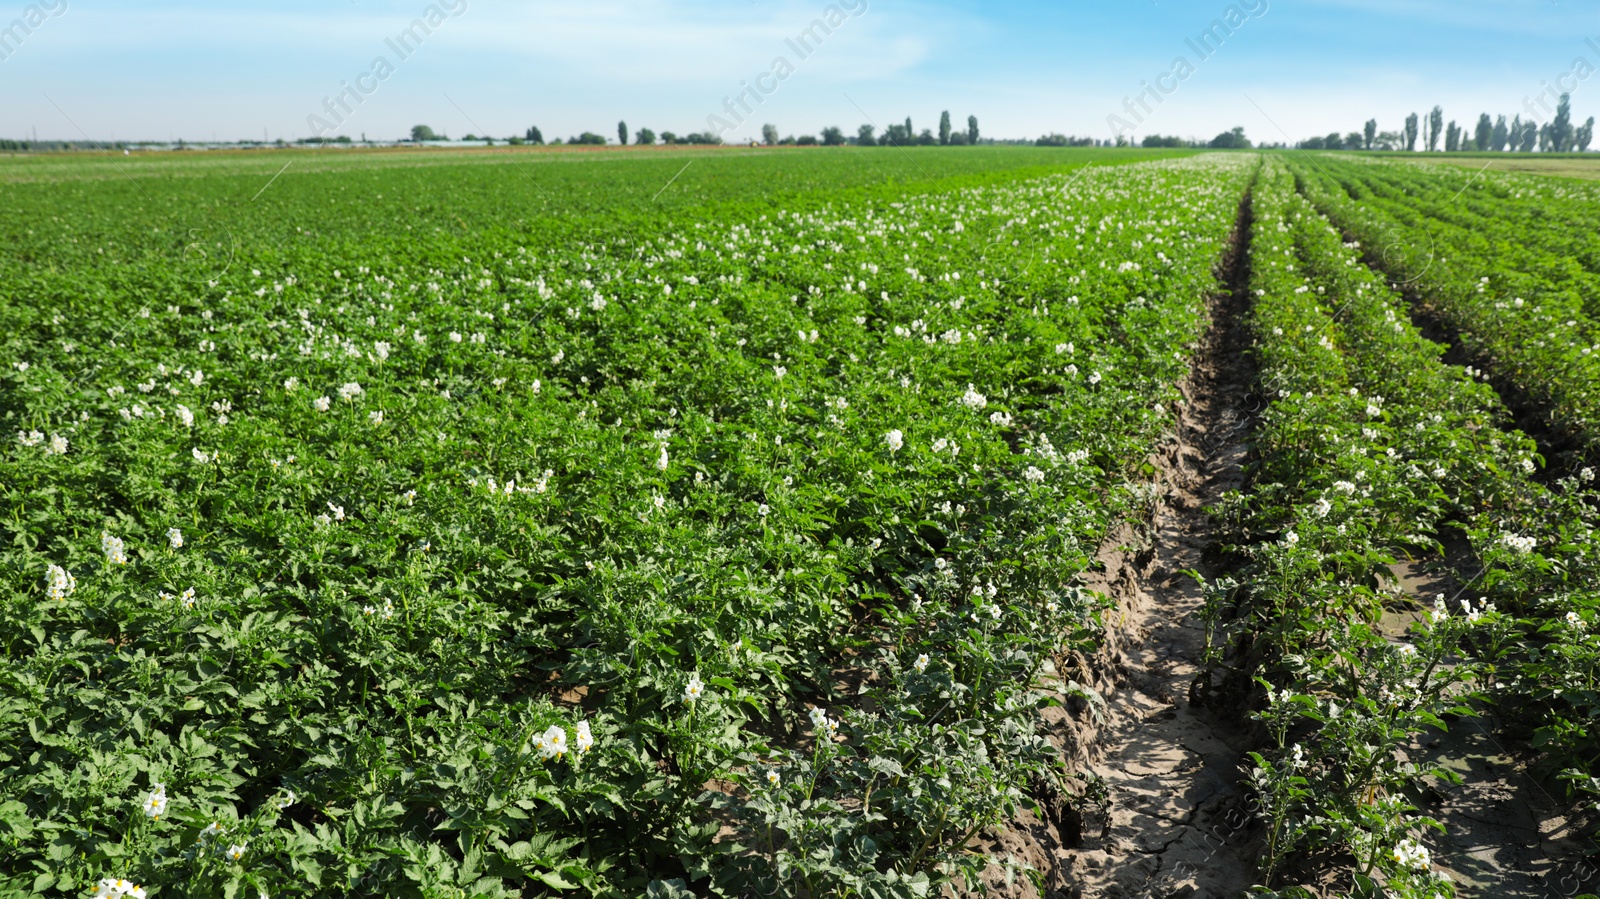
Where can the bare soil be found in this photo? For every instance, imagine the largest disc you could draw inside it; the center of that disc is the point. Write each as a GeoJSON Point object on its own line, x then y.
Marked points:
{"type": "Point", "coordinates": [1177, 824]}
{"type": "Point", "coordinates": [1161, 812]}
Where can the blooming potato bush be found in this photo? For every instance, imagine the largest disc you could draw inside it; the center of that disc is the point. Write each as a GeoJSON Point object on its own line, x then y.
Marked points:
{"type": "Point", "coordinates": [494, 567]}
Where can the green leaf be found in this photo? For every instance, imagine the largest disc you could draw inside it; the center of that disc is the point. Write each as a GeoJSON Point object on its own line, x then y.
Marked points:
{"type": "Point", "coordinates": [555, 881]}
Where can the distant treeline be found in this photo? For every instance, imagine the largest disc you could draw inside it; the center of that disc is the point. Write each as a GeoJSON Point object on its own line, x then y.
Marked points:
{"type": "Point", "coordinates": [1227, 140]}
{"type": "Point", "coordinates": [52, 145]}
{"type": "Point", "coordinates": [1558, 135]}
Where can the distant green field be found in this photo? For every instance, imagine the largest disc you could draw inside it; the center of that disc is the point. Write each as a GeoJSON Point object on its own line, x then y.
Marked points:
{"type": "Point", "coordinates": [1566, 165]}
{"type": "Point", "coordinates": [180, 212]}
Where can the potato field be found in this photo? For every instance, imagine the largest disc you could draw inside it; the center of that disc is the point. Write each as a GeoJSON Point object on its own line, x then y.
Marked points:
{"type": "Point", "coordinates": [813, 522]}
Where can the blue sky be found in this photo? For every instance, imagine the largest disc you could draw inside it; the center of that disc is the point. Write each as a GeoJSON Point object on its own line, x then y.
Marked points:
{"type": "Point", "coordinates": [182, 68]}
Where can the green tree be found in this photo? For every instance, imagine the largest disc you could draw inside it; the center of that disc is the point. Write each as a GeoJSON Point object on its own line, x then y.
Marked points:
{"type": "Point", "coordinates": [832, 137]}
{"type": "Point", "coordinates": [1232, 140]}
{"type": "Point", "coordinates": [420, 133]}
{"type": "Point", "coordinates": [1501, 135]}
{"type": "Point", "coordinates": [1527, 136]}
{"type": "Point", "coordinates": [866, 135]}
{"type": "Point", "coordinates": [769, 134]}
{"type": "Point", "coordinates": [972, 129]}
{"type": "Point", "coordinates": [1585, 135]}
{"type": "Point", "coordinates": [1411, 133]}
{"type": "Point", "coordinates": [588, 138]}
{"type": "Point", "coordinates": [1370, 132]}
{"type": "Point", "coordinates": [1333, 141]}
{"type": "Point", "coordinates": [645, 137]}
{"type": "Point", "coordinates": [1483, 136]}
{"type": "Point", "coordinates": [944, 128]}
{"type": "Point", "coordinates": [622, 133]}
{"type": "Point", "coordinates": [1452, 137]}
{"type": "Point", "coordinates": [533, 136]}
{"type": "Point", "coordinates": [1561, 125]}
{"type": "Point", "coordinates": [1435, 127]}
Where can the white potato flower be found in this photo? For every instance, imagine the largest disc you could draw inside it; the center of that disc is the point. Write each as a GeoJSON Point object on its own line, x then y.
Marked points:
{"type": "Point", "coordinates": [553, 742]}
{"type": "Point", "coordinates": [155, 805]}
{"type": "Point", "coordinates": [116, 552]}
{"type": "Point", "coordinates": [59, 582]}
{"type": "Point", "coordinates": [1413, 855]}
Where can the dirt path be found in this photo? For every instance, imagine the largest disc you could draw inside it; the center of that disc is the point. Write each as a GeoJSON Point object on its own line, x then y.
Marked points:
{"type": "Point", "coordinates": [1176, 824]}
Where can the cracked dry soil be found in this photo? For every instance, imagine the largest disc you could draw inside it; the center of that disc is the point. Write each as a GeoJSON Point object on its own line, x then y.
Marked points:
{"type": "Point", "coordinates": [1176, 823]}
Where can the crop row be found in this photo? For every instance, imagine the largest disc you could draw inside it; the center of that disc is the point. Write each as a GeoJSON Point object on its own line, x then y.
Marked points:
{"type": "Point", "coordinates": [1372, 451]}
{"type": "Point", "coordinates": [1496, 259]}
{"type": "Point", "coordinates": [726, 554]}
